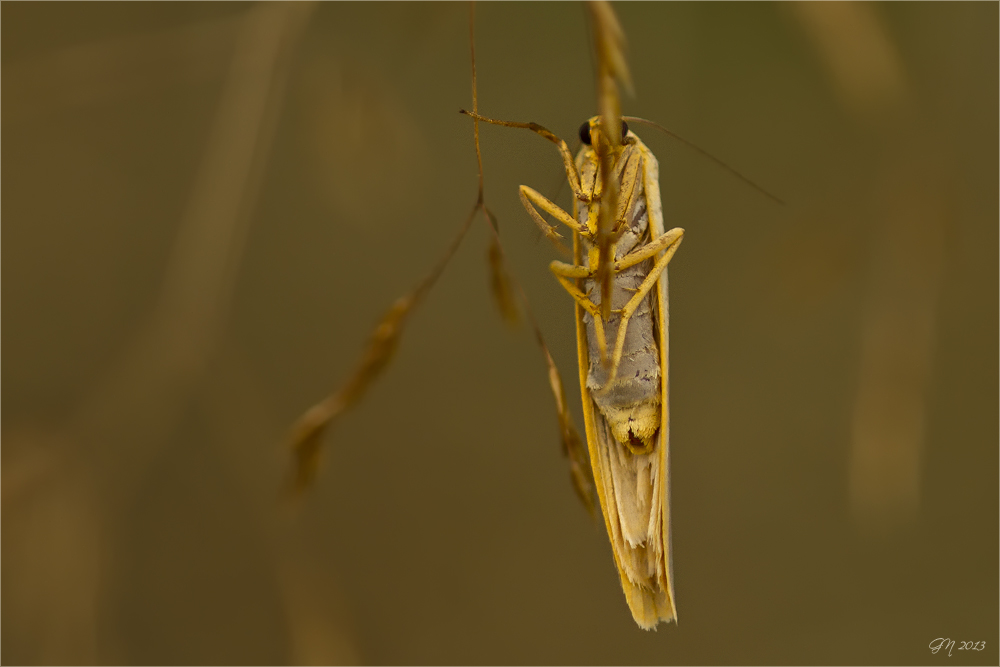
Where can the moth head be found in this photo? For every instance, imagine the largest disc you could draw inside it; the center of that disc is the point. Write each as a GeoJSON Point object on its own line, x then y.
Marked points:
{"type": "Point", "coordinates": [590, 129]}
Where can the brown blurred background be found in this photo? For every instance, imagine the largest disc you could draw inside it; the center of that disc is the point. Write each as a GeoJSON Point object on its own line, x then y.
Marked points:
{"type": "Point", "coordinates": [206, 207]}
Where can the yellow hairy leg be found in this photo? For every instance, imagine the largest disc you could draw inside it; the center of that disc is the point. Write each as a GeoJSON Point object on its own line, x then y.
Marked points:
{"type": "Point", "coordinates": [563, 273]}
{"type": "Point", "coordinates": [531, 198]}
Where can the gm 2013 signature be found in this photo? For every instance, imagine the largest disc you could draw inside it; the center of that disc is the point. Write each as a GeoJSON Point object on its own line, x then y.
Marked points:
{"type": "Point", "coordinates": [943, 642]}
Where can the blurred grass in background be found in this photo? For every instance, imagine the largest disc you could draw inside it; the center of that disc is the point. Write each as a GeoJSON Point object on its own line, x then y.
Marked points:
{"type": "Point", "coordinates": [207, 206]}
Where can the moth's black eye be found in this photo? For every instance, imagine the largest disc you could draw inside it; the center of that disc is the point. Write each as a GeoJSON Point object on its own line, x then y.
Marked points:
{"type": "Point", "coordinates": [624, 131]}
{"type": "Point", "coordinates": [585, 133]}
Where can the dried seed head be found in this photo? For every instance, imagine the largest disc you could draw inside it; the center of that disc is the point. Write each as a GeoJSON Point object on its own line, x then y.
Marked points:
{"type": "Point", "coordinates": [500, 285]}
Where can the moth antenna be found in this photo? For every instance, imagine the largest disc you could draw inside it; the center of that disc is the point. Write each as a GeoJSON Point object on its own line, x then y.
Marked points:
{"type": "Point", "coordinates": [698, 149]}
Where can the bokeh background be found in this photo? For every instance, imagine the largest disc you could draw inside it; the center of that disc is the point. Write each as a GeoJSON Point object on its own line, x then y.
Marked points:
{"type": "Point", "coordinates": [207, 207]}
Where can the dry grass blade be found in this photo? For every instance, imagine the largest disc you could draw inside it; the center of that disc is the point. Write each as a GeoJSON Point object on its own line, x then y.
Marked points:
{"type": "Point", "coordinates": [574, 448]}
{"type": "Point", "coordinates": [889, 421]}
{"type": "Point", "coordinates": [612, 69]}
{"type": "Point", "coordinates": [579, 460]}
{"type": "Point", "coordinates": [610, 42]}
{"type": "Point", "coordinates": [500, 281]}
{"type": "Point", "coordinates": [307, 434]}
{"type": "Point", "coordinates": [147, 386]}
{"type": "Point", "coordinates": [500, 285]}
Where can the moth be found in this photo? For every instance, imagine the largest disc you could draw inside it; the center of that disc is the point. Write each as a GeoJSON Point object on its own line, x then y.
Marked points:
{"type": "Point", "coordinates": [622, 350]}
{"type": "Point", "coordinates": [626, 395]}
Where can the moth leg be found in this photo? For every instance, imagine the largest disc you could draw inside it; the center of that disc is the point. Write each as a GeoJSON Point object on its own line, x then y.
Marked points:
{"type": "Point", "coordinates": [571, 174]}
{"type": "Point", "coordinates": [573, 271]}
{"type": "Point", "coordinates": [670, 241]}
{"type": "Point", "coordinates": [643, 253]}
{"type": "Point", "coordinates": [532, 198]}
{"type": "Point", "coordinates": [626, 193]}
{"type": "Point", "coordinates": [564, 273]}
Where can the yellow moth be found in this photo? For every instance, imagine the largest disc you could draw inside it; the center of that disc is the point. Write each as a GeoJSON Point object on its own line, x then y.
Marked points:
{"type": "Point", "coordinates": [626, 399]}
{"type": "Point", "coordinates": [622, 351]}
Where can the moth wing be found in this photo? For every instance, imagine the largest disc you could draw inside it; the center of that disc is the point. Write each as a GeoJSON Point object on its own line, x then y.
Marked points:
{"type": "Point", "coordinates": [651, 185]}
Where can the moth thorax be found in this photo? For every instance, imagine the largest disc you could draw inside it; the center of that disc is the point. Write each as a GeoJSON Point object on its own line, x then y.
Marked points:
{"type": "Point", "coordinates": [635, 426]}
